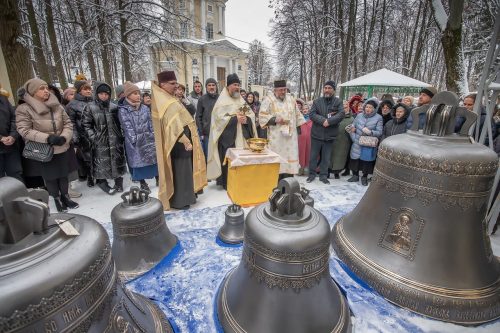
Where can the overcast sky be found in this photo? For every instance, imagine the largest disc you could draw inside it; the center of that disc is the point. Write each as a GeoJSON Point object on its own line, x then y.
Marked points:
{"type": "Point", "coordinates": [248, 20]}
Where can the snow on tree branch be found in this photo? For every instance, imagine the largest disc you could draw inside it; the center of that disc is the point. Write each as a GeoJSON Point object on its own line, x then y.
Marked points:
{"type": "Point", "coordinates": [440, 15]}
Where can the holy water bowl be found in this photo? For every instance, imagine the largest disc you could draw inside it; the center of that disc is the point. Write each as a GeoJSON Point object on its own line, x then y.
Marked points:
{"type": "Point", "coordinates": [257, 144]}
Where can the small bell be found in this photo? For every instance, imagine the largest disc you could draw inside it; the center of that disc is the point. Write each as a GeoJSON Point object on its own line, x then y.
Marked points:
{"type": "Point", "coordinates": [232, 230]}
{"type": "Point", "coordinates": [141, 237]}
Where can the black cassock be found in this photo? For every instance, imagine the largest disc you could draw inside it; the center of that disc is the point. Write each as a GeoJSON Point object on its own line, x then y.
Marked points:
{"type": "Point", "coordinates": [182, 170]}
{"type": "Point", "coordinates": [227, 140]}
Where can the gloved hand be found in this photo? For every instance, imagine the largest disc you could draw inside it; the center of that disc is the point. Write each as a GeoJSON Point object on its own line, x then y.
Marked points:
{"type": "Point", "coordinates": [367, 131]}
{"type": "Point", "coordinates": [56, 140]}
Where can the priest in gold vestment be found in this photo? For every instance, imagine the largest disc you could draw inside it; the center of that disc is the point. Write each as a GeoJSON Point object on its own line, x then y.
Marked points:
{"type": "Point", "coordinates": [231, 125]}
{"type": "Point", "coordinates": [181, 163]}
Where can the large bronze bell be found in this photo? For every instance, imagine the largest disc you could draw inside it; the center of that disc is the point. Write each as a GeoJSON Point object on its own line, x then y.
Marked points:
{"type": "Point", "coordinates": [141, 237]}
{"type": "Point", "coordinates": [282, 283]}
{"type": "Point", "coordinates": [418, 236]}
{"type": "Point", "coordinates": [232, 230]}
{"type": "Point", "coordinates": [57, 273]}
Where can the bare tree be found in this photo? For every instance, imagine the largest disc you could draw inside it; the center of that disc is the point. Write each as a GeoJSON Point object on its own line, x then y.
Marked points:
{"type": "Point", "coordinates": [259, 64]}
{"type": "Point", "coordinates": [13, 45]}
{"type": "Point", "coordinates": [451, 29]}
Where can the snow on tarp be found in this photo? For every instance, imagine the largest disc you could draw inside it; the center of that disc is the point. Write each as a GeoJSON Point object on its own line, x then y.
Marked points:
{"type": "Point", "coordinates": [385, 77]}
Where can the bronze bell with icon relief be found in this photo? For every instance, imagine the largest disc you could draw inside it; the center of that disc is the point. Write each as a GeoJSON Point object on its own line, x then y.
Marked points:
{"type": "Point", "coordinates": [418, 236]}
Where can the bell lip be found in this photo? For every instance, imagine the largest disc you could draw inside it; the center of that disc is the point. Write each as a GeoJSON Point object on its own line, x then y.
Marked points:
{"type": "Point", "coordinates": [228, 239]}
{"type": "Point", "coordinates": [130, 275]}
{"type": "Point", "coordinates": [224, 317]}
{"type": "Point", "coordinates": [340, 243]}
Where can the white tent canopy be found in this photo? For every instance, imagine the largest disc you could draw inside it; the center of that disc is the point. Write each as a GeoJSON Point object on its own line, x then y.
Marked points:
{"type": "Point", "coordinates": [144, 85]}
{"type": "Point", "coordinates": [381, 82]}
{"type": "Point", "coordinates": [385, 77]}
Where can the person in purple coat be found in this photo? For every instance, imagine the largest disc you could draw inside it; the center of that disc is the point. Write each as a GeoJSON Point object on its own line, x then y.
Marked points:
{"type": "Point", "coordinates": [137, 126]}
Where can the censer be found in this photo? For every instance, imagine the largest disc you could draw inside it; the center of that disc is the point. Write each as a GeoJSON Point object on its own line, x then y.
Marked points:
{"type": "Point", "coordinates": [141, 237]}
{"type": "Point", "coordinates": [282, 283]}
{"type": "Point", "coordinates": [57, 273]}
{"type": "Point", "coordinates": [418, 236]}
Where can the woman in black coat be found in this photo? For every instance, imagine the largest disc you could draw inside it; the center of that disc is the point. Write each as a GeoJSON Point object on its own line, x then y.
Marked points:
{"type": "Point", "coordinates": [397, 125]}
{"type": "Point", "coordinates": [102, 126]}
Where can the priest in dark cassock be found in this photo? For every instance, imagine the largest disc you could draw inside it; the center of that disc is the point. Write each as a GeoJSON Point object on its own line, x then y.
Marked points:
{"type": "Point", "coordinates": [181, 163]}
{"type": "Point", "coordinates": [233, 122]}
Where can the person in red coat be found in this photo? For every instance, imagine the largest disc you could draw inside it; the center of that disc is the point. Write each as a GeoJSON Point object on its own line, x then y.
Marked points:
{"type": "Point", "coordinates": [304, 138]}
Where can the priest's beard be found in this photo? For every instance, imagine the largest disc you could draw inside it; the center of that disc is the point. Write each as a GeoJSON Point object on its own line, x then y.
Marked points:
{"type": "Point", "coordinates": [236, 94]}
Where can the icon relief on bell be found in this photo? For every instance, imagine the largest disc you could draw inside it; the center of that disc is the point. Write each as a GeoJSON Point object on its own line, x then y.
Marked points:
{"type": "Point", "coordinates": [402, 232]}
{"type": "Point", "coordinates": [400, 237]}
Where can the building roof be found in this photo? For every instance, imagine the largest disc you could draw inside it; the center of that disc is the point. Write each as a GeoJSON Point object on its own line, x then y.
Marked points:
{"type": "Point", "coordinates": [385, 77]}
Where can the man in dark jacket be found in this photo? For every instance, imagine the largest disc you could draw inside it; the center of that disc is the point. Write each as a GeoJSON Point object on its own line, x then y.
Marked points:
{"type": "Point", "coordinates": [74, 109]}
{"type": "Point", "coordinates": [10, 159]}
{"type": "Point", "coordinates": [326, 114]}
{"type": "Point", "coordinates": [204, 112]}
{"type": "Point", "coordinates": [196, 94]}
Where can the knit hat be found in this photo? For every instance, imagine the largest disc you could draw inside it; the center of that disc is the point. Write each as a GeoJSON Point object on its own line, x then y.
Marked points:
{"type": "Point", "coordinates": [166, 76]}
{"type": "Point", "coordinates": [330, 83]}
{"type": "Point", "coordinates": [67, 91]}
{"type": "Point", "coordinates": [232, 78]}
{"type": "Point", "coordinates": [80, 84]}
{"type": "Point", "coordinates": [118, 90]}
{"type": "Point", "coordinates": [280, 84]}
{"type": "Point", "coordinates": [429, 91]}
{"type": "Point", "coordinates": [210, 80]}
{"type": "Point", "coordinates": [129, 88]}
{"type": "Point", "coordinates": [372, 103]}
{"type": "Point", "coordinates": [32, 85]}
{"type": "Point", "coordinates": [103, 88]}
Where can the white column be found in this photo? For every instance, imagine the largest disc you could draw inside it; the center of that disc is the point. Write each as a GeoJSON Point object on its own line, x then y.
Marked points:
{"type": "Point", "coordinates": [220, 18]}
{"type": "Point", "coordinates": [192, 28]}
{"type": "Point", "coordinates": [214, 60]}
{"type": "Point", "coordinates": [206, 67]}
{"type": "Point", "coordinates": [224, 21]}
{"type": "Point", "coordinates": [203, 11]}
{"type": "Point", "coordinates": [230, 69]}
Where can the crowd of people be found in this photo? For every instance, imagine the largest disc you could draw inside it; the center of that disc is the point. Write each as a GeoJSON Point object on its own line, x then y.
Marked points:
{"type": "Point", "coordinates": [181, 139]}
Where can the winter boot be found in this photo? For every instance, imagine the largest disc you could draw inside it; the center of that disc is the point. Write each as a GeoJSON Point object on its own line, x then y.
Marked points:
{"type": "Point", "coordinates": [60, 205]}
{"type": "Point", "coordinates": [119, 184]}
{"type": "Point", "coordinates": [364, 181]}
{"type": "Point", "coordinates": [103, 185]}
{"type": "Point", "coordinates": [353, 179]}
{"type": "Point", "coordinates": [347, 172]}
{"type": "Point", "coordinates": [90, 181]}
{"type": "Point", "coordinates": [68, 202]}
{"type": "Point", "coordinates": [144, 186]}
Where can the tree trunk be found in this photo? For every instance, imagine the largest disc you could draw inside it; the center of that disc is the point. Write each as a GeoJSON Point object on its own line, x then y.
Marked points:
{"type": "Point", "coordinates": [17, 57]}
{"type": "Point", "coordinates": [101, 28]}
{"type": "Point", "coordinates": [452, 47]}
{"type": "Point", "coordinates": [420, 41]}
{"type": "Point", "coordinates": [86, 36]}
{"type": "Point", "coordinates": [124, 42]}
{"type": "Point", "coordinates": [41, 61]}
{"type": "Point", "coordinates": [53, 44]}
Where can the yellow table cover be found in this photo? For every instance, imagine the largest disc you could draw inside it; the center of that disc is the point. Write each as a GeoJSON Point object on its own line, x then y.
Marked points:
{"type": "Point", "coordinates": [251, 176]}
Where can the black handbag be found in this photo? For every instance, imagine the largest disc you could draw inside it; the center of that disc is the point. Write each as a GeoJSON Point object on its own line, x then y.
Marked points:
{"type": "Point", "coordinates": [40, 151]}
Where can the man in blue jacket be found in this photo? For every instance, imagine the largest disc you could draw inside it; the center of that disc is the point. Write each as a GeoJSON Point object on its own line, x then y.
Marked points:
{"type": "Point", "coordinates": [326, 114]}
